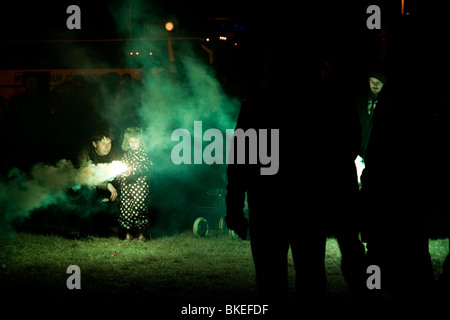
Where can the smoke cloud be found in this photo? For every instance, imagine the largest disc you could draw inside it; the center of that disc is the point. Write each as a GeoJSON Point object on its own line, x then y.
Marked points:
{"type": "Point", "coordinates": [47, 185]}
{"type": "Point", "coordinates": [173, 94]}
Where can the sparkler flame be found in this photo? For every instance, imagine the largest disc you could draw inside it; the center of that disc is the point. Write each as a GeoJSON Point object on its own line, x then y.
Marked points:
{"type": "Point", "coordinates": [117, 167]}
{"type": "Point", "coordinates": [96, 174]}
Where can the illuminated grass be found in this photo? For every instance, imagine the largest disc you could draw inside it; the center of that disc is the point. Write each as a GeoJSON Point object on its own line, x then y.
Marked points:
{"type": "Point", "coordinates": [180, 267]}
{"type": "Point", "coordinates": [439, 249]}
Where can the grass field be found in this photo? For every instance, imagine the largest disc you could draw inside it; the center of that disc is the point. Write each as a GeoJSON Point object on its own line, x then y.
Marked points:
{"type": "Point", "coordinates": [181, 267]}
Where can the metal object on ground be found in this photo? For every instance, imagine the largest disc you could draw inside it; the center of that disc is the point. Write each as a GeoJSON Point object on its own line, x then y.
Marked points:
{"type": "Point", "coordinates": [201, 227]}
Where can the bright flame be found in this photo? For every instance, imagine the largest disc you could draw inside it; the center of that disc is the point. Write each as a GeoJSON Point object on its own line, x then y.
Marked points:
{"type": "Point", "coordinates": [96, 174]}
{"type": "Point", "coordinates": [117, 167]}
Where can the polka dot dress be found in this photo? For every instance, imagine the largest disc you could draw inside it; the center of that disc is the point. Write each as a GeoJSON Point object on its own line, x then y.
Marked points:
{"type": "Point", "coordinates": [135, 191]}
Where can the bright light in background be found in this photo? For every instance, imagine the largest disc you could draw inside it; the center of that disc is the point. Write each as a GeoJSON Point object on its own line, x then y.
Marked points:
{"type": "Point", "coordinates": [169, 26]}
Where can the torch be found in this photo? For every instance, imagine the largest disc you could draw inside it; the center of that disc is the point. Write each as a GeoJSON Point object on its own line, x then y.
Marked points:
{"type": "Point", "coordinates": [95, 174]}
{"type": "Point", "coordinates": [118, 168]}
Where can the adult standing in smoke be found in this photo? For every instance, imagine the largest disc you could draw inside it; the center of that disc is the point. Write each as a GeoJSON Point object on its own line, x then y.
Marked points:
{"type": "Point", "coordinates": [100, 150]}
{"type": "Point", "coordinates": [135, 188]}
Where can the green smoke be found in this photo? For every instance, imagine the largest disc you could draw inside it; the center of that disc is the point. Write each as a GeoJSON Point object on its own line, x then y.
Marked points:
{"type": "Point", "coordinates": [174, 95]}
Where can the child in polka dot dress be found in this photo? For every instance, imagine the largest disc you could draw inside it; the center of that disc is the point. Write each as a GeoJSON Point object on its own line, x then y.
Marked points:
{"type": "Point", "coordinates": [135, 188]}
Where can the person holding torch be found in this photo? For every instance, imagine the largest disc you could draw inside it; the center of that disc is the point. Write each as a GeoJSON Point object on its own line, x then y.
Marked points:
{"type": "Point", "coordinates": [103, 201]}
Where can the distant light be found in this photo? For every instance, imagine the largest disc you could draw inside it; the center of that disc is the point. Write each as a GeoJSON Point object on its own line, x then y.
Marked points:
{"type": "Point", "coordinates": [235, 44]}
{"type": "Point", "coordinates": [150, 53]}
{"type": "Point", "coordinates": [169, 26]}
{"type": "Point", "coordinates": [223, 38]}
{"type": "Point", "coordinates": [207, 39]}
{"type": "Point", "coordinates": [131, 53]}
{"type": "Point", "coordinates": [137, 53]}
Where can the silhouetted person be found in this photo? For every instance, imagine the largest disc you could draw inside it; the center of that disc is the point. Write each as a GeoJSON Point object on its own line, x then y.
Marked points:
{"type": "Point", "coordinates": [283, 206]}
{"type": "Point", "coordinates": [394, 183]}
{"type": "Point", "coordinates": [314, 192]}
{"type": "Point", "coordinates": [341, 140]}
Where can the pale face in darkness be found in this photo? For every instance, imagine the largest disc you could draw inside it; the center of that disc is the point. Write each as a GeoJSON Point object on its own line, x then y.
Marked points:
{"type": "Point", "coordinates": [375, 85]}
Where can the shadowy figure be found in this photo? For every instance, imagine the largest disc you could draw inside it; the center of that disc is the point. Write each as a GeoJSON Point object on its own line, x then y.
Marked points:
{"type": "Point", "coordinates": [395, 185]}
{"type": "Point", "coordinates": [366, 106]}
{"type": "Point", "coordinates": [313, 193]}
{"type": "Point", "coordinates": [341, 140]}
{"type": "Point", "coordinates": [273, 225]}
{"type": "Point", "coordinates": [399, 178]}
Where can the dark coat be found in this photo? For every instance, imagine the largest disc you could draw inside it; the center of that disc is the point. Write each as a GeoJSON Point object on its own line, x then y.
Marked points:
{"type": "Point", "coordinates": [319, 139]}
{"type": "Point", "coordinates": [365, 120]}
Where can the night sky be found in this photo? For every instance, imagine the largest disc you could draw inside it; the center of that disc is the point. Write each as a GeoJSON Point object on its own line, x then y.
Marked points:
{"type": "Point", "coordinates": [45, 20]}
